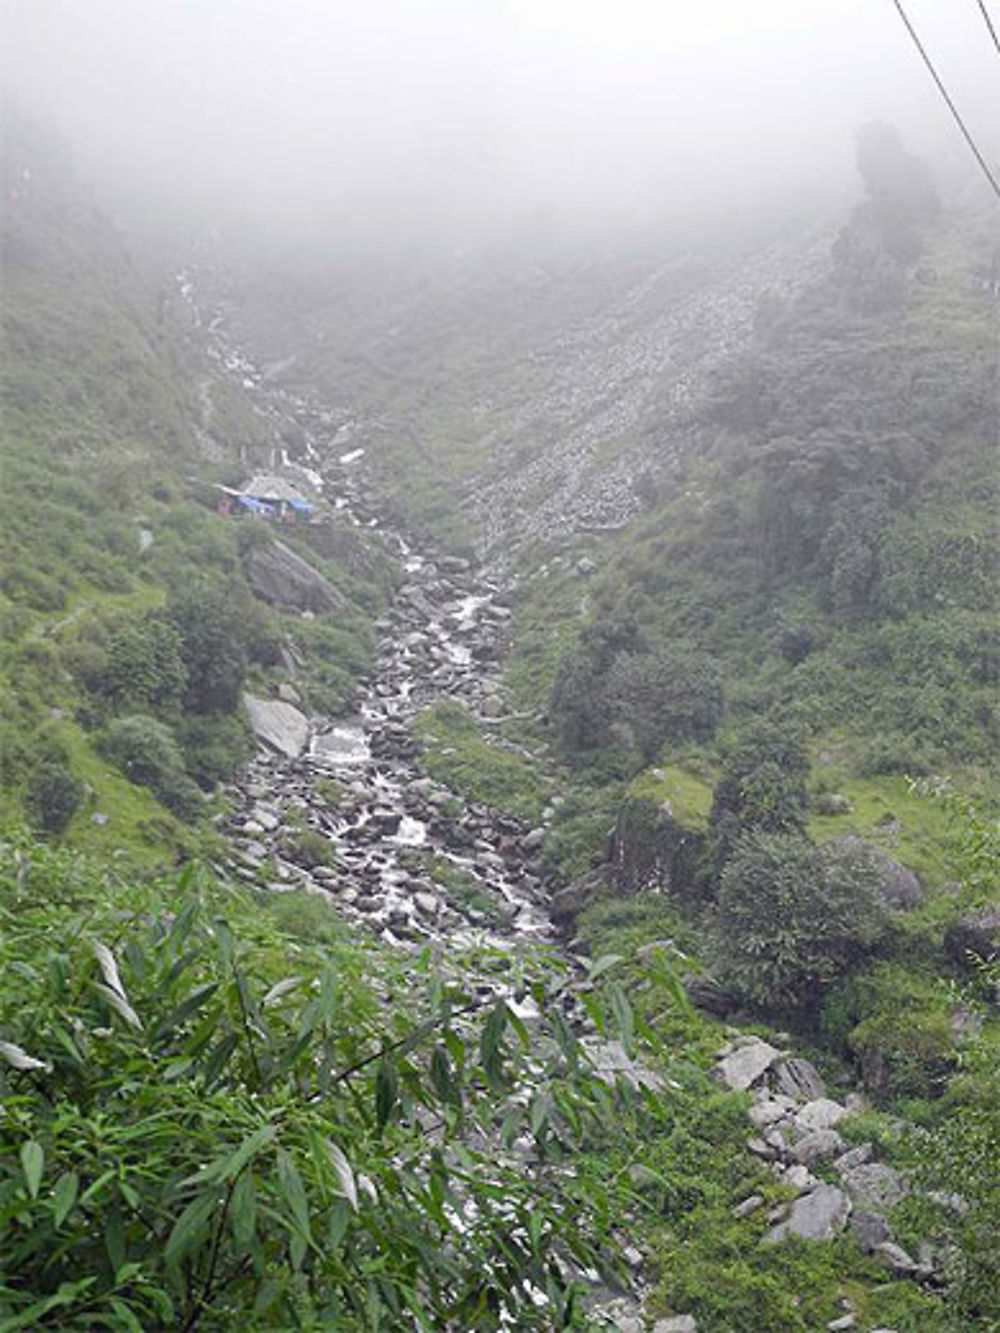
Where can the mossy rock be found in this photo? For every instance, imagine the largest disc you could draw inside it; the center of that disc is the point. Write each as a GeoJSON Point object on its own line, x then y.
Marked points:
{"type": "Point", "coordinates": [658, 842]}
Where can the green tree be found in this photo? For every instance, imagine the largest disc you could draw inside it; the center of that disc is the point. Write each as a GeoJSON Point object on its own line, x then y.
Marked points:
{"type": "Point", "coordinates": [668, 696]}
{"type": "Point", "coordinates": [144, 671]}
{"type": "Point", "coordinates": [580, 706]}
{"type": "Point", "coordinates": [214, 627]}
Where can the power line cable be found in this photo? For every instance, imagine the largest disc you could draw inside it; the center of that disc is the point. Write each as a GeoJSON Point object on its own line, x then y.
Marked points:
{"type": "Point", "coordinates": [989, 23]}
{"type": "Point", "coordinates": [948, 102]}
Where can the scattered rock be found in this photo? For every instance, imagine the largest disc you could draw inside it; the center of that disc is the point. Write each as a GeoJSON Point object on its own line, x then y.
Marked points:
{"type": "Point", "coordinates": [611, 1061]}
{"type": "Point", "coordinates": [874, 1186]}
{"type": "Point", "coordinates": [898, 887]}
{"type": "Point", "coordinates": [681, 1323]}
{"type": "Point", "coordinates": [749, 1205]}
{"type": "Point", "coordinates": [844, 1322]}
{"type": "Point", "coordinates": [799, 1078]}
{"type": "Point", "coordinates": [896, 1258]}
{"type": "Point", "coordinates": [854, 1157]}
{"type": "Point", "coordinates": [741, 1069]}
{"type": "Point", "coordinates": [871, 1229]}
{"type": "Point", "coordinates": [799, 1178]}
{"type": "Point", "coordinates": [976, 935]}
{"type": "Point", "coordinates": [708, 996]}
{"type": "Point", "coordinates": [819, 1144]}
{"type": "Point", "coordinates": [823, 1113]}
{"type": "Point", "coordinates": [770, 1110]}
{"type": "Point", "coordinates": [531, 842]}
{"type": "Point", "coordinates": [819, 1215]}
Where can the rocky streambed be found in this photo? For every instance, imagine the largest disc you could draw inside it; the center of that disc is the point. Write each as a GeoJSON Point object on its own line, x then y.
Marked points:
{"type": "Point", "coordinates": [338, 806]}
{"type": "Point", "coordinates": [399, 852]}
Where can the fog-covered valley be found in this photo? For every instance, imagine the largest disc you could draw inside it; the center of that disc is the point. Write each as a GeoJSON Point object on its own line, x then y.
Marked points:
{"type": "Point", "coordinates": [499, 666]}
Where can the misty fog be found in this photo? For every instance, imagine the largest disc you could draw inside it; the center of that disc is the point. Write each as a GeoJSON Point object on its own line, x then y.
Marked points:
{"type": "Point", "coordinates": [392, 123]}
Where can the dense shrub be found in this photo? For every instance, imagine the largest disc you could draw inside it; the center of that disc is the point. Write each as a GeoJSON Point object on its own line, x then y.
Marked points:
{"type": "Point", "coordinates": [669, 696]}
{"type": "Point", "coordinates": [143, 748]}
{"type": "Point", "coordinates": [147, 753]}
{"type": "Point", "coordinates": [143, 670]}
{"type": "Point", "coordinates": [792, 917]}
{"type": "Point", "coordinates": [896, 1021]}
{"type": "Point", "coordinates": [762, 787]}
{"type": "Point", "coordinates": [212, 625]}
{"type": "Point", "coordinates": [53, 796]}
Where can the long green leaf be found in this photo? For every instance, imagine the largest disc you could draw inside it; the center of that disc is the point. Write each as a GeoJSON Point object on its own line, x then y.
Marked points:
{"type": "Point", "coordinates": [119, 1004]}
{"type": "Point", "coordinates": [64, 1196]}
{"type": "Point", "coordinates": [243, 1210]}
{"type": "Point", "coordinates": [602, 965]}
{"type": "Point", "coordinates": [294, 1193]}
{"type": "Point", "coordinates": [32, 1164]}
{"type": "Point", "coordinates": [386, 1092]}
{"type": "Point", "coordinates": [190, 1229]}
{"type": "Point", "coordinates": [230, 1165]}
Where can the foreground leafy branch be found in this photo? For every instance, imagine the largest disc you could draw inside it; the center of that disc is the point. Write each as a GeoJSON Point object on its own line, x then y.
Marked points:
{"type": "Point", "coordinates": [218, 1124]}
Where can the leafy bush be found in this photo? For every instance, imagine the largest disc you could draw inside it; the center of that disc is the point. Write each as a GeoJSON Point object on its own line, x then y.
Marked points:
{"type": "Point", "coordinates": [143, 748]}
{"type": "Point", "coordinates": [214, 745]}
{"type": "Point", "coordinates": [53, 796]}
{"type": "Point", "coordinates": [147, 753]}
{"type": "Point", "coordinates": [896, 1021]}
{"type": "Point", "coordinates": [213, 631]}
{"type": "Point", "coordinates": [762, 787]}
{"type": "Point", "coordinates": [143, 670]}
{"type": "Point", "coordinates": [792, 917]}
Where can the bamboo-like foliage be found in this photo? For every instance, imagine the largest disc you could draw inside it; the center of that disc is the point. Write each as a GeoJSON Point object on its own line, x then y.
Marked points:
{"type": "Point", "coordinates": [211, 1124]}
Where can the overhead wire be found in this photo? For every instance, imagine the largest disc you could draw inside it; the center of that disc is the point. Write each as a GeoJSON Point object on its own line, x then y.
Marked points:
{"type": "Point", "coordinates": [989, 23]}
{"type": "Point", "coordinates": [947, 98]}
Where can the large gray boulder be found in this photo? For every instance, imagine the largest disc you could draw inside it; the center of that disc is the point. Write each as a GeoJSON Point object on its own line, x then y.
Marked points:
{"type": "Point", "coordinates": [278, 724]}
{"type": "Point", "coordinates": [817, 1145]}
{"type": "Point", "coordinates": [740, 1069]}
{"type": "Point", "coordinates": [282, 577]}
{"type": "Point", "coordinates": [823, 1113]}
{"type": "Point", "coordinates": [819, 1215]}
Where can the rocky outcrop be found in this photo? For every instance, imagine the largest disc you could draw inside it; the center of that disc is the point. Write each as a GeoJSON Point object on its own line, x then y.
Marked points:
{"type": "Point", "coordinates": [278, 724]}
{"type": "Point", "coordinates": [652, 849]}
{"type": "Point", "coordinates": [898, 887]}
{"type": "Point", "coordinates": [975, 935]}
{"type": "Point", "coordinates": [281, 577]}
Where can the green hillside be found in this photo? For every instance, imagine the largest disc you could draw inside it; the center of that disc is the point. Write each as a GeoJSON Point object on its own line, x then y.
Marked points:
{"type": "Point", "coordinates": [110, 552]}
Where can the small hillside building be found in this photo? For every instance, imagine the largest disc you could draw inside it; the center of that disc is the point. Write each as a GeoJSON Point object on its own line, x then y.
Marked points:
{"type": "Point", "coordinates": [265, 496]}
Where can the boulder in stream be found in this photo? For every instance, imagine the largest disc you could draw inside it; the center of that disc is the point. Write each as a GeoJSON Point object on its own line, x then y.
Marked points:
{"type": "Point", "coordinates": [278, 724]}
